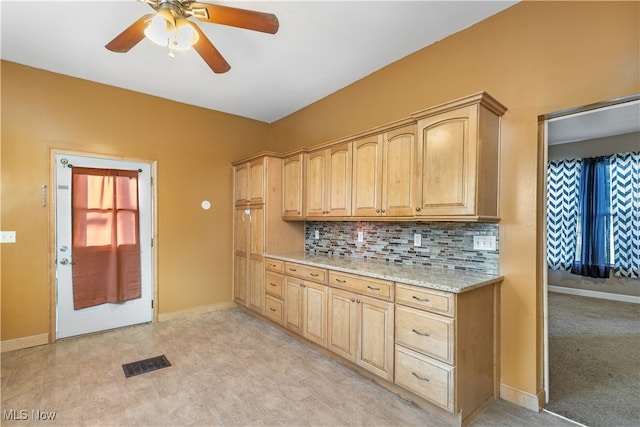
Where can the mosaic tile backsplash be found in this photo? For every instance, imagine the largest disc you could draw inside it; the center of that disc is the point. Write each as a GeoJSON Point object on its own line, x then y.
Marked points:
{"type": "Point", "coordinates": [444, 244]}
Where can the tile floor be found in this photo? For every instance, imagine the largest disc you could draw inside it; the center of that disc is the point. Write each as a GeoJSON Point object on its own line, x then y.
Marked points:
{"type": "Point", "coordinates": [228, 368]}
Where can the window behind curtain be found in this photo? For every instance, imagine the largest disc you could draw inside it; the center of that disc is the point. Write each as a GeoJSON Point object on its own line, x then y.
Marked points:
{"type": "Point", "coordinates": [563, 233]}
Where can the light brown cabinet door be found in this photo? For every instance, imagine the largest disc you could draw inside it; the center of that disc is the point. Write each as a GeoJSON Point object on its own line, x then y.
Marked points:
{"type": "Point", "coordinates": [315, 312]}
{"type": "Point", "coordinates": [292, 186]}
{"type": "Point", "coordinates": [316, 186]}
{"type": "Point", "coordinates": [339, 180]}
{"type": "Point", "coordinates": [256, 181]}
{"type": "Point", "coordinates": [375, 337]}
{"type": "Point", "coordinates": [448, 153]}
{"type": "Point", "coordinates": [343, 320]}
{"type": "Point", "coordinates": [399, 193]}
{"type": "Point", "coordinates": [240, 280]}
{"type": "Point", "coordinates": [367, 176]}
{"type": "Point", "coordinates": [241, 182]}
{"type": "Point", "coordinates": [256, 264]}
{"type": "Point", "coordinates": [241, 237]}
{"type": "Point", "coordinates": [256, 285]}
{"type": "Point", "coordinates": [293, 298]}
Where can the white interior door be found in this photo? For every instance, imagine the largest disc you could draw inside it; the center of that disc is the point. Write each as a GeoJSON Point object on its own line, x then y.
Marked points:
{"type": "Point", "coordinates": [71, 322]}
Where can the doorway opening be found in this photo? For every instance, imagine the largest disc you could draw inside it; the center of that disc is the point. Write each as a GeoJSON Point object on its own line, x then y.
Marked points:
{"type": "Point", "coordinates": [103, 224]}
{"type": "Point", "coordinates": [588, 324]}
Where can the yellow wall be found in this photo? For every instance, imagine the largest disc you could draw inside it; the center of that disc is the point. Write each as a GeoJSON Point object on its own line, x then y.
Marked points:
{"type": "Point", "coordinates": [194, 148]}
{"type": "Point", "coordinates": [535, 58]}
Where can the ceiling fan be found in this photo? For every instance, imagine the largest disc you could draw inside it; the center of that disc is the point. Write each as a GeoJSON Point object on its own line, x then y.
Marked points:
{"type": "Point", "coordinates": [170, 27]}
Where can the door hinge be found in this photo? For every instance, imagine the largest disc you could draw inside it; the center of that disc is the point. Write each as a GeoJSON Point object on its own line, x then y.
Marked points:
{"type": "Point", "coordinates": [150, 180]}
{"type": "Point", "coordinates": [151, 303]}
{"type": "Point", "coordinates": [152, 242]}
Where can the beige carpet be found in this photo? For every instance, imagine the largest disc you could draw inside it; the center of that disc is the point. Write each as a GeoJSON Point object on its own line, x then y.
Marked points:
{"type": "Point", "coordinates": [594, 360]}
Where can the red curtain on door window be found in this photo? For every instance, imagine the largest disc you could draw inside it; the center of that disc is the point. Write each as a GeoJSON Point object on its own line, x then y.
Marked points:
{"type": "Point", "coordinates": [106, 238]}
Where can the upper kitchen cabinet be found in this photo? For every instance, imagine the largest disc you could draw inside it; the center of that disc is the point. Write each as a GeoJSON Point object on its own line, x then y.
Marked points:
{"type": "Point", "coordinates": [457, 156]}
{"type": "Point", "coordinates": [328, 182]}
{"type": "Point", "coordinates": [293, 186]}
{"type": "Point", "coordinates": [249, 182]}
{"type": "Point", "coordinates": [384, 168]}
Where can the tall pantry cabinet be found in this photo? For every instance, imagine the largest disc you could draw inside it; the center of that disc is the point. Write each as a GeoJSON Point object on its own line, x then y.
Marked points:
{"type": "Point", "coordinates": [258, 226]}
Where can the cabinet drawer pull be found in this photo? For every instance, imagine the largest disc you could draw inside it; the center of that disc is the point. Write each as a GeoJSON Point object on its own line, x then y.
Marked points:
{"type": "Point", "coordinates": [341, 281]}
{"type": "Point", "coordinates": [314, 274]}
{"type": "Point", "coordinates": [421, 299]}
{"type": "Point", "coordinates": [272, 265]}
{"type": "Point", "coordinates": [424, 334]}
{"type": "Point", "coordinates": [293, 269]}
{"type": "Point", "coordinates": [419, 377]}
{"type": "Point", "coordinates": [372, 288]}
{"type": "Point", "coordinates": [272, 309]}
{"type": "Point", "coordinates": [272, 284]}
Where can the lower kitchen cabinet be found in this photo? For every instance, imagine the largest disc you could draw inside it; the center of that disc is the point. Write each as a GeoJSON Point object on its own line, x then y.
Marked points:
{"type": "Point", "coordinates": [306, 309]}
{"type": "Point", "coordinates": [436, 348]}
{"type": "Point", "coordinates": [361, 330]}
{"type": "Point", "coordinates": [446, 347]}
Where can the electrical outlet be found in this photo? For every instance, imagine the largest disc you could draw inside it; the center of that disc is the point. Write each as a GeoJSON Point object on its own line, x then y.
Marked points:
{"type": "Point", "coordinates": [417, 239]}
{"type": "Point", "coordinates": [7, 237]}
{"type": "Point", "coordinates": [360, 236]}
{"type": "Point", "coordinates": [316, 235]}
{"type": "Point", "coordinates": [484, 243]}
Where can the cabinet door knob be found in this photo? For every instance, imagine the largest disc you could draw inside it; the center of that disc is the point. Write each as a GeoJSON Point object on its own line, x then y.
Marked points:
{"type": "Point", "coordinates": [377, 210]}
{"type": "Point", "coordinates": [418, 209]}
{"type": "Point", "coordinates": [383, 211]}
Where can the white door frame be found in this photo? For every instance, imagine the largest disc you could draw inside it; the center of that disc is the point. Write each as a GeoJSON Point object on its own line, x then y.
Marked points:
{"type": "Point", "coordinates": [52, 229]}
{"type": "Point", "coordinates": [543, 150]}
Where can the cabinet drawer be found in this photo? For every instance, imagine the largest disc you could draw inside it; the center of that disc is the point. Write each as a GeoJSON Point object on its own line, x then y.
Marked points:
{"type": "Point", "coordinates": [273, 284]}
{"type": "Point", "coordinates": [363, 285]}
{"type": "Point", "coordinates": [273, 309]}
{"type": "Point", "coordinates": [274, 265]}
{"type": "Point", "coordinates": [426, 299]}
{"type": "Point", "coordinates": [425, 377]}
{"type": "Point", "coordinates": [427, 333]}
{"type": "Point", "coordinates": [314, 274]}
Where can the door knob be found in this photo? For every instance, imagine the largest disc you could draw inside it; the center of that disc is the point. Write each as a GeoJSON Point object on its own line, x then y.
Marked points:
{"type": "Point", "coordinates": [65, 261]}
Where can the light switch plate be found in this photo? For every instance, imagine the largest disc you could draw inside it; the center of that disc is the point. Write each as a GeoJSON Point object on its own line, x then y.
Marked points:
{"type": "Point", "coordinates": [316, 234]}
{"type": "Point", "coordinates": [360, 236]}
{"type": "Point", "coordinates": [7, 237]}
{"type": "Point", "coordinates": [417, 239]}
{"type": "Point", "coordinates": [484, 243]}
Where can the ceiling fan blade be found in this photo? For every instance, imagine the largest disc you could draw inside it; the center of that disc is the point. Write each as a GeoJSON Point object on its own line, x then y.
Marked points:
{"type": "Point", "coordinates": [209, 53]}
{"type": "Point", "coordinates": [129, 37]}
{"type": "Point", "coordinates": [241, 18]}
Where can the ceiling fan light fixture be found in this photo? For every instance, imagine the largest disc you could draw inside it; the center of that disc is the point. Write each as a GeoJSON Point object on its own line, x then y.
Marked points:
{"type": "Point", "coordinates": [161, 28]}
{"type": "Point", "coordinates": [185, 36]}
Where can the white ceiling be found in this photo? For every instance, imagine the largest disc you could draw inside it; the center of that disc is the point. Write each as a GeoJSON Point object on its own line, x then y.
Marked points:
{"type": "Point", "coordinates": [613, 120]}
{"type": "Point", "coordinates": [321, 47]}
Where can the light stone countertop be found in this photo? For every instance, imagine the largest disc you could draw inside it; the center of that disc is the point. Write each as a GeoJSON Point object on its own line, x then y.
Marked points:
{"type": "Point", "coordinates": [456, 281]}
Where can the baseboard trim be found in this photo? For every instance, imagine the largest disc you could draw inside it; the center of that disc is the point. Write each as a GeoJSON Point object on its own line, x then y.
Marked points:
{"type": "Point", "coordinates": [533, 402]}
{"type": "Point", "coordinates": [594, 294]}
{"type": "Point", "coordinates": [24, 342]}
{"type": "Point", "coordinates": [196, 310]}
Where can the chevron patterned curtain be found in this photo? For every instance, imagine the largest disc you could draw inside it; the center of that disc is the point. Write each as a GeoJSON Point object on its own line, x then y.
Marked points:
{"type": "Point", "coordinates": [563, 184]}
{"type": "Point", "coordinates": [625, 210]}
